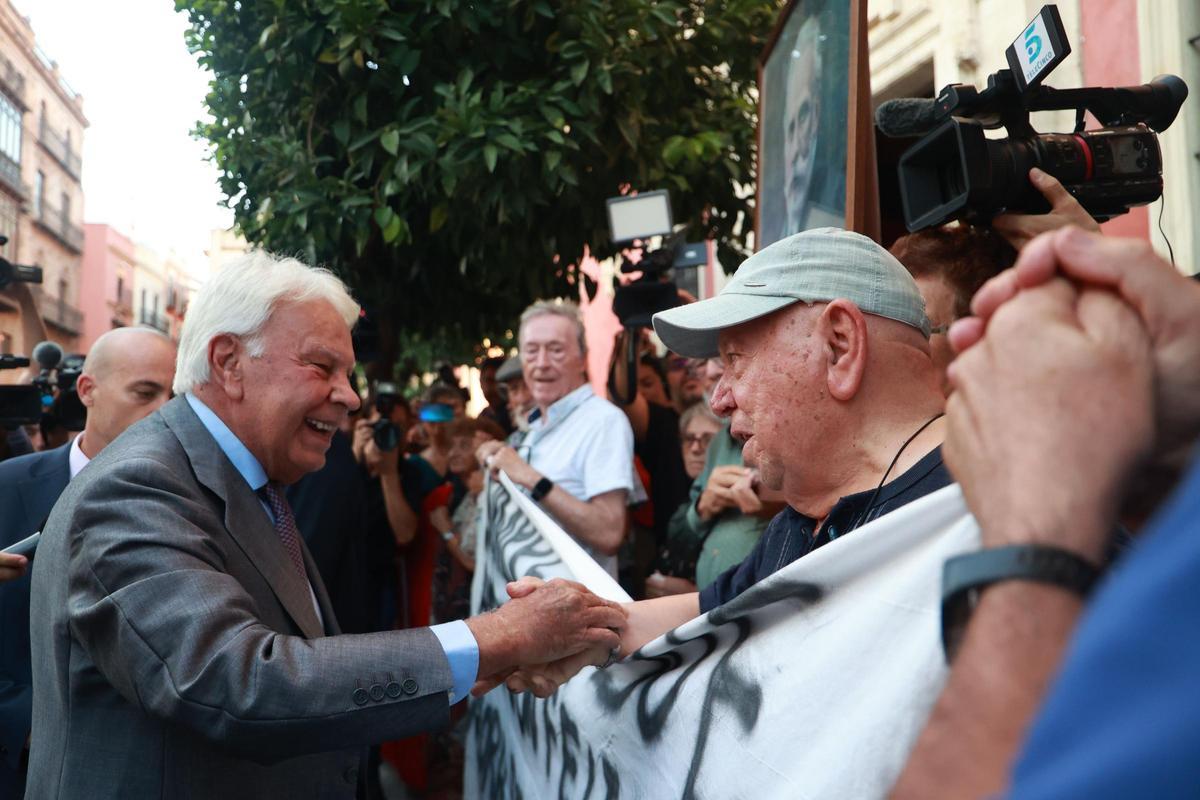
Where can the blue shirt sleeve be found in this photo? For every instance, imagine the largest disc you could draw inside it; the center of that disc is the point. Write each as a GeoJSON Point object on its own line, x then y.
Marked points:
{"type": "Point", "coordinates": [1123, 717]}
{"type": "Point", "coordinates": [462, 651]}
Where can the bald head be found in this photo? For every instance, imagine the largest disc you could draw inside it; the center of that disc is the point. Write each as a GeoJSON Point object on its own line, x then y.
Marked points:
{"type": "Point", "coordinates": [127, 375]}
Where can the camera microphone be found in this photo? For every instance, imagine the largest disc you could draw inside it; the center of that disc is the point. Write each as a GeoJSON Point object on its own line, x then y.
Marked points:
{"type": "Point", "coordinates": [907, 116]}
{"type": "Point", "coordinates": [48, 355]}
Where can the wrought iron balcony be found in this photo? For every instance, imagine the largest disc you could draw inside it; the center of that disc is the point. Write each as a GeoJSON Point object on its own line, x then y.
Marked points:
{"type": "Point", "coordinates": [54, 221]}
{"type": "Point", "coordinates": [12, 81]}
{"type": "Point", "coordinates": [10, 175]}
{"type": "Point", "coordinates": [157, 321]}
{"type": "Point", "coordinates": [58, 312]}
{"type": "Point", "coordinates": [60, 147]}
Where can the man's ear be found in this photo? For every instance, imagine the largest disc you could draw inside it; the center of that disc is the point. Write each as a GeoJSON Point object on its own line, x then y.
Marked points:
{"type": "Point", "coordinates": [226, 359]}
{"type": "Point", "coordinates": [85, 387]}
{"type": "Point", "coordinates": [842, 328]}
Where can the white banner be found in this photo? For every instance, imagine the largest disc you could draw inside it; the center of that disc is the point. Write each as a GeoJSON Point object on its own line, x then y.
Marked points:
{"type": "Point", "coordinates": [812, 684]}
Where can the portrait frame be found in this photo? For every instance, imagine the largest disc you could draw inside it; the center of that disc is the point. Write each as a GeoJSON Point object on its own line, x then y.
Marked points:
{"type": "Point", "coordinates": [858, 201]}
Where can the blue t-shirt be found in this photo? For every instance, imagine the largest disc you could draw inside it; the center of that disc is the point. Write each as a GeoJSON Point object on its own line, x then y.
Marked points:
{"type": "Point", "coordinates": [1122, 719]}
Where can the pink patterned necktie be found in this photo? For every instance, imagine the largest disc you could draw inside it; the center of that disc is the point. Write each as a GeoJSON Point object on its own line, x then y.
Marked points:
{"type": "Point", "coordinates": [285, 524]}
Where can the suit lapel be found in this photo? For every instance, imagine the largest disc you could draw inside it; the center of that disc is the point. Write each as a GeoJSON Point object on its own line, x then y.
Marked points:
{"type": "Point", "coordinates": [47, 480]}
{"type": "Point", "coordinates": [331, 624]}
{"type": "Point", "coordinates": [245, 518]}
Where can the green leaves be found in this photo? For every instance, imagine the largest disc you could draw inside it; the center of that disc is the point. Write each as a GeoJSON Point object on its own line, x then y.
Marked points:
{"type": "Point", "coordinates": [451, 159]}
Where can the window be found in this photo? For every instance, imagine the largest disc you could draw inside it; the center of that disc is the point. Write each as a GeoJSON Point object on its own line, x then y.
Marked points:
{"type": "Point", "coordinates": [39, 189]}
{"type": "Point", "coordinates": [8, 224]}
{"type": "Point", "coordinates": [10, 130]}
{"type": "Point", "coordinates": [65, 209]}
{"type": "Point", "coordinates": [120, 287]}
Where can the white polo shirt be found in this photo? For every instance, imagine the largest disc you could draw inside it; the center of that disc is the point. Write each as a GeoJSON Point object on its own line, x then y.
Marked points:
{"type": "Point", "coordinates": [585, 445]}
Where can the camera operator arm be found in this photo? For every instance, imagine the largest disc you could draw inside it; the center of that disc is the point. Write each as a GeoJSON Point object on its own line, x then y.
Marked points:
{"type": "Point", "coordinates": [622, 384]}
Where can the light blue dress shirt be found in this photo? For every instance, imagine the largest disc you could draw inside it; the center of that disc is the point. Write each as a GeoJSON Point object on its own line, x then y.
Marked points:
{"type": "Point", "coordinates": [462, 651]}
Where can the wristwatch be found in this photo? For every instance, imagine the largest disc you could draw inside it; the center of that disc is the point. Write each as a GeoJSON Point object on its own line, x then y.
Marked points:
{"type": "Point", "coordinates": [448, 536]}
{"type": "Point", "coordinates": [965, 577]}
{"type": "Point", "coordinates": [541, 489]}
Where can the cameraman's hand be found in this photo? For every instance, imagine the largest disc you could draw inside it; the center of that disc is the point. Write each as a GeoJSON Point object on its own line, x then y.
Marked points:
{"type": "Point", "coordinates": [381, 462]}
{"type": "Point", "coordinates": [1020, 229]}
{"type": "Point", "coordinates": [718, 492]}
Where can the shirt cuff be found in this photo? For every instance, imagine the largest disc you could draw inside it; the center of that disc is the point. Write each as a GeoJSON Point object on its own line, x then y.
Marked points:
{"type": "Point", "coordinates": [462, 651]}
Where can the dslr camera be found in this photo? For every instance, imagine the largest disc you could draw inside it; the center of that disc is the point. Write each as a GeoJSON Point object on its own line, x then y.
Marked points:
{"type": "Point", "coordinates": [956, 172]}
{"type": "Point", "coordinates": [387, 434]}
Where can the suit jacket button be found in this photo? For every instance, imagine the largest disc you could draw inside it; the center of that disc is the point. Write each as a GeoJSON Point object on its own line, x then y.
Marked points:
{"type": "Point", "coordinates": [361, 697]}
{"type": "Point", "coordinates": [409, 686]}
{"type": "Point", "coordinates": [377, 693]}
{"type": "Point", "coordinates": [393, 690]}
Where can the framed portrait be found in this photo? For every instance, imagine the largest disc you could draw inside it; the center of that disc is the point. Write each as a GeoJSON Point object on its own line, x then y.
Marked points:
{"type": "Point", "coordinates": [810, 120]}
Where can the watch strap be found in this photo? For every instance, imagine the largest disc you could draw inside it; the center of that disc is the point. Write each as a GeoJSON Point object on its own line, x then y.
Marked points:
{"type": "Point", "coordinates": [541, 489]}
{"type": "Point", "coordinates": [965, 576]}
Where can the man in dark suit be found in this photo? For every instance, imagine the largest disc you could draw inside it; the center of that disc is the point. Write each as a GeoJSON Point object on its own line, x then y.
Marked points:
{"type": "Point", "coordinates": [184, 643]}
{"type": "Point", "coordinates": [126, 376]}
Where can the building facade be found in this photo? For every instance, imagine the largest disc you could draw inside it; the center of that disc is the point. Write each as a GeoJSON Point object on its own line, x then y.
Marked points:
{"type": "Point", "coordinates": [919, 46]}
{"type": "Point", "coordinates": [41, 196]}
{"type": "Point", "coordinates": [107, 282]}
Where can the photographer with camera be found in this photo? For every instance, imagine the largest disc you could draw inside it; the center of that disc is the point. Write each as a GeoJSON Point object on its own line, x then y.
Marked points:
{"type": "Point", "coordinates": [397, 485]}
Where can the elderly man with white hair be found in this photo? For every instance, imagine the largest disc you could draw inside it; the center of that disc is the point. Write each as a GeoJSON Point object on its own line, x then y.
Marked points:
{"type": "Point", "coordinates": [183, 643]}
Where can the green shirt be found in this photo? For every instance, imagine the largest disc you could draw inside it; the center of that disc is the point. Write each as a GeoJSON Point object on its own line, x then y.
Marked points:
{"type": "Point", "coordinates": [731, 535]}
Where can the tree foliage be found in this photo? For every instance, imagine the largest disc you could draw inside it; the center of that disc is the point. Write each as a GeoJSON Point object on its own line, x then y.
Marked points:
{"type": "Point", "coordinates": [451, 158]}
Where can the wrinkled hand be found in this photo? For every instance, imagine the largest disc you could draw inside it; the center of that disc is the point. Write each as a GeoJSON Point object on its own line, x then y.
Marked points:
{"type": "Point", "coordinates": [497, 457]}
{"type": "Point", "coordinates": [544, 680]}
{"type": "Point", "coordinates": [745, 492]}
{"type": "Point", "coordinates": [658, 585]}
{"type": "Point", "coordinates": [1167, 303]}
{"type": "Point", "coordinates": [543, 623]}
{"type": "Point", "coordinates": [718, 492]}
{"type": "Point", "coordinates": [1052, 409]}
{"type": "Point", "coordinates": [1020, 229]}
{"type": "Point", "coordinates": [12, 566]}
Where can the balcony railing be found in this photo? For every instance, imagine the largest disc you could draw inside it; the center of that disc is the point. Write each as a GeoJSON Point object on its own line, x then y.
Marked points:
{"type": "Point", "coordinates": [10, 175]}
{"type": "Point", "coordinates": [58, 312]}
{"type": "Point", "coordinates": [12, 82]}
{"type": "Point", "coordinates": [60, 147]}
{"type": "Point", "coordinates": [123, 302]}
{"type": "Point", "coordinates": [57, 224]}
{"type": "Point", "coordinates": [154, 320]}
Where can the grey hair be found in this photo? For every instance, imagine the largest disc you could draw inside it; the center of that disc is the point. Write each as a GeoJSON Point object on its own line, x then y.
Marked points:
{"type": "Point", "coordinates": [558, 308]}
{"type": "Point", "coordinates": [240, 299]}
{"type": "Point", "coordinates": [698, 409]}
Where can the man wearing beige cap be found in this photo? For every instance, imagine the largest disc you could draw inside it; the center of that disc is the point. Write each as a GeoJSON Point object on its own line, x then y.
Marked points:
{"type": "Point", "coordinates": [829, 382]}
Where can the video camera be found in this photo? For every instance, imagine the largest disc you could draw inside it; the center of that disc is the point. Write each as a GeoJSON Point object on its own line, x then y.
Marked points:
{"type": "Point", "coordinates": [955, 172]}
{"type": "Point", "coordinates": [639, 217]}
{"type": "Point", "coordinates": [53, 390]}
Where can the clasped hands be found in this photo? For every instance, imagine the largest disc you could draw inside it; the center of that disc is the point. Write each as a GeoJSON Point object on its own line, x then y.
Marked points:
{"type": "Point", "coordinates": [544, 635]}
{"type": "Point", "coordinates": [1078, 363]}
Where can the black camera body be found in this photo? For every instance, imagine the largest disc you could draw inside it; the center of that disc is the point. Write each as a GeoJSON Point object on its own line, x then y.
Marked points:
{"type": "Point", "coordinates": [387, 434]}
{"type": "Point", "coordinates": [956, 172]}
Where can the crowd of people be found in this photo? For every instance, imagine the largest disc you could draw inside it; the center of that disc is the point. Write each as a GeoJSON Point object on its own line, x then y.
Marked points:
{"type": "Point", "coordinates": [176, 626]}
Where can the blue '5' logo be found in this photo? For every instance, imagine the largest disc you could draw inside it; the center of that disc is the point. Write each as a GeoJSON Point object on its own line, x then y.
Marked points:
{"type": "Point", "coordinates": [1033, 44]}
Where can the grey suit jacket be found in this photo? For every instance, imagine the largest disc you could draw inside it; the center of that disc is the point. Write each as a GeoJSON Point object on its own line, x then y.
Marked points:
{"type": "Point", "coordinates": [176, 652]}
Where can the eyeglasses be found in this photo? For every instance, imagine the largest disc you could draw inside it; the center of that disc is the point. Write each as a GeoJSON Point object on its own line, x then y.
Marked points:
{"type": "Point", "coordinates": [693, 439]}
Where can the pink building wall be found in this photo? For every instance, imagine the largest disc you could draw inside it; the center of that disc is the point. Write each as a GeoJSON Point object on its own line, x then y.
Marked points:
{"type": "Point", "coordinates": [107, 266]}
{"type": "Point", "coordinates": [1111, 58]}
